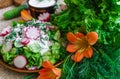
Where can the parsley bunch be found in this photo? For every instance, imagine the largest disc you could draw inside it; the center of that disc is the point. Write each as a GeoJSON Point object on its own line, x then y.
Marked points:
{"type": "Point", "coordinates": [102, 16]}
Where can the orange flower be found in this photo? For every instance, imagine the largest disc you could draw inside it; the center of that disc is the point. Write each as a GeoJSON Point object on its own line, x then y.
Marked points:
{"type": "Point", "coordinates": [81, 45]}
{"type": "Point", "coordinates": [26, 15]}
{"type": "Point", "coordinates": [49, 71]}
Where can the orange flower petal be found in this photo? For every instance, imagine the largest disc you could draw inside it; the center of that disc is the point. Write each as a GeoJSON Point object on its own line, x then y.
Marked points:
{"type": "Point", "coordinates": [41, 71]}
{"type": "Point", "coordinates": [49, 71]}
{"type": "Point", "coordinates": [71, 37]}
{"type": "Point", "coordinates": [92, 37]}
{"type": "Point", "coordinates": [47, 64]}
{"type": "Point", "coordinates": [88, 52]}
{"type": "Point", "coordinates": [57, 72]}
{"type": "Point", "coordinates": [26, 15]}
{"type": "Point", "coordinates": [78, 56]}
{"type": "Point", "coordinates": [72, 48]}
{"type": "Point", "coordinates": [79, 35]}
{"type": "Point", "coordinates": [38, 77]}
{"type": "Point", "coordinates": [46, 73]}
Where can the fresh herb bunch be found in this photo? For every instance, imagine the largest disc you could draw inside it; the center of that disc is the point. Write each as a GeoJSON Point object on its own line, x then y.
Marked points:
{"type": "Point", "coordinates": [102, 16]}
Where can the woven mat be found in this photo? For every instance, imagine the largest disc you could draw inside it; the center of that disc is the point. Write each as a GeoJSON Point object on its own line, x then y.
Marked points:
{"type": "Point", "coordinates": [4, 72]}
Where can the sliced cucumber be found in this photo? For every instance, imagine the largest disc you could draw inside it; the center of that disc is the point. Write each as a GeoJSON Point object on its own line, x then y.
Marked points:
{"type": "Point", "coordinates": [34, 46]}
{"type": "Point", "coordinates": [7, 46]}
{"type": "Point", "coordinates": [17, 43]}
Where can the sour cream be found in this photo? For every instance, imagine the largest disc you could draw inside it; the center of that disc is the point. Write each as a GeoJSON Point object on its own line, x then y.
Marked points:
{"type": "Point", "coordinates": [42, 4]}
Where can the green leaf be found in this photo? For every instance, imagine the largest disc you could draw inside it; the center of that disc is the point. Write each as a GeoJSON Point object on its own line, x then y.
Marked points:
{"type": "Point", "coordinates": [56, 46]}
{"type": "Point", "coordinates": [57, 35]}
{"type": "Point", "coordinates": [116, 40]}
{"type": "Point", "coordinates": [76, 2]}
{"type": "Point", "coordinates": [13, 51]}
{"type": "Point", "coordinates": [14, 23]}
{"type": "Point", "coordinates": [29, 77]}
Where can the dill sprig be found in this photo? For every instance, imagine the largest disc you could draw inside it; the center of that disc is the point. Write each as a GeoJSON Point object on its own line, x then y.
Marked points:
{"type": "Point", "coordinates": [100, 66]}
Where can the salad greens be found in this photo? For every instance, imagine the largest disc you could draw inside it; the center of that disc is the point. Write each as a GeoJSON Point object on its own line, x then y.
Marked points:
{"type": "Point", "coordinates": [103, 17]}
{"type": "Point", "coordinates": [43, 47]}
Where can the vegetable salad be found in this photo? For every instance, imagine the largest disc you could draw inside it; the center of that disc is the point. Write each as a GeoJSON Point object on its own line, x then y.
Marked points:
{"type": "Point", "coordinates": [35, 40]}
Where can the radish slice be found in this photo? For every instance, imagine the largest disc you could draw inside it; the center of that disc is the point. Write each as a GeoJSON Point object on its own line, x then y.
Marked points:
{"type": "Point", "coordinates": [52, 27]}
{"type": "Point", "coordinates": [32, 68]}
{"type": "Point", "coordinates": [1, 40]}
{"type": "Point", "coordinates": [45, 17]}
{"type": "Point", "coordinates": [60, 8]}
{"type": "Point", "coordinates": [20, 61]}
{"type": "Point", "coordinates": [25, 41]}
{"type": "Point", "coordinates": [58, 11]}
{"type": "Point", "coordinates": [32, 33]}
{"type": "Point", "coordinates": [6, 31]}
{"type": "Point", "coordinates": [63, 7]}
{"type": "Point", "coordinates": [7, 46]}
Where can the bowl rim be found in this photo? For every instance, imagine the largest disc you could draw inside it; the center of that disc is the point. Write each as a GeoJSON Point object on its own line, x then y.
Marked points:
{"type": "Point", "coordinates": [23, 70]}
{"type": "Point", "coordinates": [16, 69]}
{"type": "Point", "coordinates": [41, 7]}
